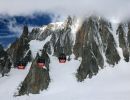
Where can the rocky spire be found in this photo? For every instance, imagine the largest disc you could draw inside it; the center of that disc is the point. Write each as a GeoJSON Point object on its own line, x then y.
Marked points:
{"type": "Point", "coordinates": [38, 78]}
{"type": "Point", "coordinates": [19, 48]}
{"type": "Point", "coordinates": [128, 36]}
{"type": "Point", "coordinates": [5, 64]}
{"type": "Point", "coordinates": [93, 40]}
{"type": "Point", "coordinates": [123, 43]}
{"type": "Point", "coordinates": [108, 42]}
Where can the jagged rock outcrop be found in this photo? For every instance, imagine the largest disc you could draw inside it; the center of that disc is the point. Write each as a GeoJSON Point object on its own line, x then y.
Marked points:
{"type": "Point", "coordinates": [123, 42]}
{"type": "Point", "coordinates": [87, 48]}
{"type": "Point", "coordinates": [92, 40]}
{"type": "Point", "coordinates": [109, 45]}
{"type": "Point", "coordinates": [38, 78]}
{"type": "Point", "coordinates": [128, 36]}
{"type": "Point", "coordinates": [19, 50]}
{"type": "Point", "coordinates": [61, 40]}
{"type": "Point", "coordinates": [5, 64]}
{"type": "Point", "coordinates": [111, 53]}
{"type": "Point", "coordinates": [64, 42]}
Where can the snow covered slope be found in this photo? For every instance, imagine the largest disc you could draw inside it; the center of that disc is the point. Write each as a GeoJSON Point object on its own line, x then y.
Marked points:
{"type": "Point", "coordinates": [109, 84]}
{"type": "Point", "coordinates": [9, 84]}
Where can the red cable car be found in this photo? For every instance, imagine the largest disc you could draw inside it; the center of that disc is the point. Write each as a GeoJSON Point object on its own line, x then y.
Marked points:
{"type": "Point", "coordinates": [62, 58]}
{"type": "Point", "coordinates": [41, 63]}
{"type": "Point", "coordinates": [21, 65]}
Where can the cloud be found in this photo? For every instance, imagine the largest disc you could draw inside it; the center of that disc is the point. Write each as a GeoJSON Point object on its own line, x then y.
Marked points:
{"type": "Point", "coordinates": [16, 29]}
{"type": "Point", "coordinates": [108, 8]}
{"type": "Point", "coordinates": [7, 37]}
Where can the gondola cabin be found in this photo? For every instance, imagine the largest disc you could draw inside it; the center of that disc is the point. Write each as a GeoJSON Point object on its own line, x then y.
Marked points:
{"type": "Point", "coordinates": [62, 58]}
{"type": "Point", "coordinates": [41, 62]}
{"type": "Point", "coordinates": [21, 65]}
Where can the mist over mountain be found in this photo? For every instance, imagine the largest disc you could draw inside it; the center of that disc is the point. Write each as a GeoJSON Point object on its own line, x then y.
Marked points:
{"type": "Point", "coordinates": [11, 25]}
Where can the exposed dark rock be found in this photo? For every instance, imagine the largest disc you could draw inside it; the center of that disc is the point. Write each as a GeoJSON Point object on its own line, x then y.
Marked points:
{"type": "Point", "coordinates": [46, 57]}
{"type": "Point", "coordinates": [2, 52]}
{"type": "Point", "coordinates": [5, 64]}
{"type": "Point", "coordinates": [87, 48]}
{"type": "Point", "coordinates": [19, 48]}
{"type": "Point", "coordinates": [111, 51]}
{"type": "Point", "coordinates": [47, 32]}
{"type": "Point", "coordinates": [38, 78]}
{"type": "Point", "coordinates": [123, 42]}
{"type": "Point", "coordinates": [28, 57]}
{"type": "Point", "coordinates": [34, 33]}
{"type": "Point", "coordinates": [129, 33]}
{"type": "Point", "coordinates": [63, 42]}
{"type": "Point", "coordinates": [47, 48]}
{"type": "Point", "coordinates": [61, 39]}
{"type": "Point", "coordinates": [78, 47]}
{"type": "Point", "coordinates": [16, 52]}
{"type": "Point", "coordinates": [109, 45]}
{"type": "Point", "coordinates": [39, 34]}
{"type": "Point", "coordinates": [89, 65]}
{"type": "Point", "coordinates": [92, 40]}
{"type": "Point", "coordinates": [128, 36]}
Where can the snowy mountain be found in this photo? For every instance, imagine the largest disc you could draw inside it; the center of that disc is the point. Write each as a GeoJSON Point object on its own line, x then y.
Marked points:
{"type": "Point", "coordinates": [91, 46]}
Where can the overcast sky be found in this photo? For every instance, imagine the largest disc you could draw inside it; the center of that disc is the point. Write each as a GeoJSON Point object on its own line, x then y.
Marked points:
{"type": "Point", "coordinates": [109, 8]}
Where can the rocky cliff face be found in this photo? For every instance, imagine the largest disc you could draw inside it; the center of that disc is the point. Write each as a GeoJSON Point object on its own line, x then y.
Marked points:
{"type": "Point", "coordinates": [94, 43]}
{"type": "Point", "coordinates": [5, 64]}
{"type": "Point", "coordinates": [38, 78]}
{"type": "Point", "coordinates": [61, 40]}
{"type": "Point", "coordinates": [19, 50]}
{"type": "Point", "coordinates": [123, 36]}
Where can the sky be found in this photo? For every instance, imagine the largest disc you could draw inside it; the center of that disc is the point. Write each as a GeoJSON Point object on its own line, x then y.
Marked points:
{"type": "Point", "coordinates": [118, 9]}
